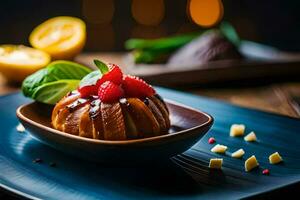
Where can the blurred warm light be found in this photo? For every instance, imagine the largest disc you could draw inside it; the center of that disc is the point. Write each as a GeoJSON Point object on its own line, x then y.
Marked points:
{"type": "Point", "coordinates": [98, 11]}
{"type": "Point", "coordinates": [148, 12]}
{"type": "Point", "coordinates": [100, 37]}
{"type": "Point", "coordinates": [205, 12]}
{"type": "Point", "coordinates": [148, 32]}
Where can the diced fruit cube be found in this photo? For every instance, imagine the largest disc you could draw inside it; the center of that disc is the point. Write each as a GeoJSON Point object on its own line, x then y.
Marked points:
{"type": "Point", "coordinates": [238, 154]}
{"type": "Point", "coordinates": [275, 158]}
{"type": "Point", "coordinates": [251, 163]}
{"type": "Point", "coordinates": [215, 163]}
{"type": "Point", "coordinates": [219, 148]}
{"type": "Point", "coordinates": [237, 130]}
{"type": "Point", "coordinates": [251, 137]}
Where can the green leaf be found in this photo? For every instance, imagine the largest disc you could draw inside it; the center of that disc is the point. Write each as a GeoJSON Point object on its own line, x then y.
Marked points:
{"type": "Point", "coordinates": [33, 81]}
{"type": "Point", "coordinates": [55, 71]}
{"type": "Point", "coordinates": [91, 78]}
{"type": "Point", "coordinates": [101, 66]}
{"type": "Point", "coordinates": [52, 92]}
{"type": "Point", "coordinates": [168, 43]}
{"type": "Point", "coordinates": [62, 69]}
{"type": "Point", "coordinates": [230, 33]}
{"type": "Point", "coordinates": [152, 50]}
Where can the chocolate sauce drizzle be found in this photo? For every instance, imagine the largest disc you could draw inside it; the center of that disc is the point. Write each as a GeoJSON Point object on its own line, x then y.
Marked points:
{"type": "Point", "coordinates": [76, 104]}
{"type": "Point", "coordinates": [146, 101]}
{"type": "Point", "coordinates": [95, 109]}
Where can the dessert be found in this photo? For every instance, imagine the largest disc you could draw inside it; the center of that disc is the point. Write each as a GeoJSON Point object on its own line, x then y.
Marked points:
{"type": "Point", "coordinates": [219, 148]}
{"type": "Point", "coordinates": [215, 163]}
{"type": "Point", "coordinates": [113, 107]}
{"type": "Point", "coordinates": [237, 130]}
{"type": "Point", "coordinates": [238, 154]}
{"type": "Point", "coordinates": [251, 137]}
{"type": "Point", "coordinates": [275, 158]}
{"type": "Point", "coordinates": [251, 163]}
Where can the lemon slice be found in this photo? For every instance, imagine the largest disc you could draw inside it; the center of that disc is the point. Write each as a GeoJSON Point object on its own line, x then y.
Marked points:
{"type": "Point", "coordinates": [61, 37]}
{"type": "Point", "coordinates": [18, 61]}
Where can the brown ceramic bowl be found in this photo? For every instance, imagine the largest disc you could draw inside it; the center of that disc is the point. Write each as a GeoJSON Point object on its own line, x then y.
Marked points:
{"type": "Point", "coordinates": [187, 127]}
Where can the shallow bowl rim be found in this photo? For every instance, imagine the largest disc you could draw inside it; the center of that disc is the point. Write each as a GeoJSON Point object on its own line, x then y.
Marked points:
{"type": "Point", "coordinates": [119, 142]}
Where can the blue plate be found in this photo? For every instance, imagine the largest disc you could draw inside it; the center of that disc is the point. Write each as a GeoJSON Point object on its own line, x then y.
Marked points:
{"type": "Point", "coordinates": [186, 176]}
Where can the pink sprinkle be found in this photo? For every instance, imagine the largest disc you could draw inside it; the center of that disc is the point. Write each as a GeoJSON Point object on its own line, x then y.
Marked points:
{"type": "Point", "coordinates": [266, 172]}
{"type": "Point", "coordinates": [211, 140]}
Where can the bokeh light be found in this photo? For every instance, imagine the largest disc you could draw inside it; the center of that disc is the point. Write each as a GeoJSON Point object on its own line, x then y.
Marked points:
{"type": "Point", "coordinates": [98, 11]}
{"type": "Point", "coordinates": [146, 12]}
{"type": "Point", "coordinates": [205, 13]}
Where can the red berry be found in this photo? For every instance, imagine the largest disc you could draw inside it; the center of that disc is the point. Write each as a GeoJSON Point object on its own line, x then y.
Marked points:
{"type": "Point", "coordinates": [110, 92]}
{"type": "Point", "coordinates": [114, 75]}
{"type": "Point", "coordinates": [211, 140]}
{"type": "Point", "coordinates": [87, 90]}
{"type": "Point", "coordinates": [136, 87]}
{"type": "Point", "coordinates": [266, 172]}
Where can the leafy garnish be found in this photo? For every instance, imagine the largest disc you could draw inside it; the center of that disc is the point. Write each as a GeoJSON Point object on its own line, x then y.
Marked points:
{"type": "Point", "coordinates": [230, 33]}
{"type": "Point", "coordinates": [64, 76]}
{"type": "Point", "coordinates": [101, 66]}
{"type": "Point", "coordinates": [52, 92]}
{"type": "Point", "coordinates": [153, 50]}
{"type": "Point", "coordinates": [91, 78]}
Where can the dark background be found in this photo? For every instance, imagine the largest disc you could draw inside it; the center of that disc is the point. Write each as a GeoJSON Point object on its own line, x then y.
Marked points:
{"type": "Point", "coordinates": [272, 22]}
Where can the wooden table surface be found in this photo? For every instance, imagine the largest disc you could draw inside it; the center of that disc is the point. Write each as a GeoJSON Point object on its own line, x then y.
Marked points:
{"type": "Point", "coordinates": [274, 97]}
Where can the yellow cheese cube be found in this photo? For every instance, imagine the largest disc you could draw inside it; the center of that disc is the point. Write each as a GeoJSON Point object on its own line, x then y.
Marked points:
{"type": "Point", "coordinates": [216, 163]}
{"type": "Point", "coordinates": [238, 154]}
{"type": "Point", "coordinates": [251, 137]}
{"type": "Point", "coordinates": [237, 130]}
{"type": "Point", "coordinates": [275, 158]}
{"type": "Point", "coordinates": [219, 148]}
{"type": "Point", "coordinates": [251, 163]}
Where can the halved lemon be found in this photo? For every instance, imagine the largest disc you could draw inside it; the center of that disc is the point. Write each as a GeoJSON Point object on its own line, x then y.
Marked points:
{"type": "Point", "coordinates": [62, 37]}
{"type": "Point", "coordinates": [18, 61]}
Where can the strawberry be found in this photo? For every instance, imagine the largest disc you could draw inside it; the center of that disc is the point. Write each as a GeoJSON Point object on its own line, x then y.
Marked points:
{"type": "Point", "coordinates": [136, 87]}
{"type": "Point", "coordinates": [114, 75]}
{"type": "Point", "coordinates": [87, 90]}
{"type": "Point", "coordinates": [110, 92]}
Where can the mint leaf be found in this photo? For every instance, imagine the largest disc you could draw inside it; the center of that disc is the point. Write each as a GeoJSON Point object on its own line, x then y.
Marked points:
{"type": "Point", "coordinates": [55, 71]}
{"type": "Point", "coordinates": [52, 92]}
{"type": "Point", "coordinates": [101, 66]}
{"type": "Point", "coordinates": [91, 78]}
{"type": "Point", "coordinates": [230, 33]}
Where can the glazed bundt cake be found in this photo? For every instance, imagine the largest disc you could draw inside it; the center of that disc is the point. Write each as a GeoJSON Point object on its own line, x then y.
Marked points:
{"type": "Point", "coordinates": [112, 109]}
